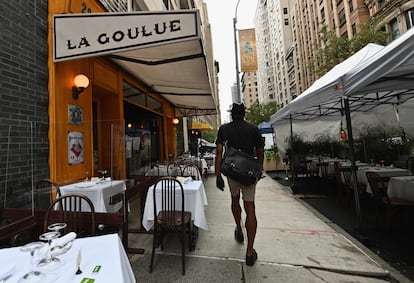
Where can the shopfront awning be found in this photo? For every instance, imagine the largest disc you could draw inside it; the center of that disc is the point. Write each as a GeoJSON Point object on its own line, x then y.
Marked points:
{"type": "Point", "coordinates": [198, 125]}
{"type": "Point", "coordinates": [162, 50]}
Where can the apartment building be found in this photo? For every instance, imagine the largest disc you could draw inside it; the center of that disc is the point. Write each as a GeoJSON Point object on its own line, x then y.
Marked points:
{"type": "Point", "coordinates": [249, 88]}
{"type": "Point", "coordinates": [397, 16]}
{"type": "Point", "coordinates": [274, 38]}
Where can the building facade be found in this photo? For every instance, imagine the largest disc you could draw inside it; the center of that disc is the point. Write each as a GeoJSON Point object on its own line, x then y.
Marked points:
{"type": "Point", "coordinates": [41, 116]}
{"type": "Point", "coordinates": [274, 36]}
{"type": "Point", "coordinates": [249, 88]}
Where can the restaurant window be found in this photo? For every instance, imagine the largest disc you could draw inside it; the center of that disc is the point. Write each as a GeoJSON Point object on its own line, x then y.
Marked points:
{"type": "Point", "coordinates": [133, 94]}
{"type": "Point", "coordinates": [154, 104]}
{"type": "Point", "coordinates": [409, 18]}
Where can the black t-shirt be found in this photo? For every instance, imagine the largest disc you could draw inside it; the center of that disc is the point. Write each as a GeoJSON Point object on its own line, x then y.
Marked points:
{"type": "Point", "coordinates": [241, 135]}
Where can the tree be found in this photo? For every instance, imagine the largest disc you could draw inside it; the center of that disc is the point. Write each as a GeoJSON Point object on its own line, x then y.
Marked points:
{"type": "Point", "coordinates": [335, 49]}
{"type": "Point", "coordinates": [261, 112]}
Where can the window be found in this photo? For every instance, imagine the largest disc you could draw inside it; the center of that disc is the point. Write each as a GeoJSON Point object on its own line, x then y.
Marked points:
{"type": "Point", "coordinates": [285, 11]}
{"type": "Point", "coordinates": [354, 30]}
{"type": "Point", "coordinates": [342, 18]}
{"type": "Point", "coordinates": [394, 29]}
{"type": "Point", "coordinates": [286, 22]}
{"type": "Point", "coordinates": [409, 18]}
{"type": "Point", "coordinates": [351, 5]}
{"type": "Point", "coordinates": [381, 3]}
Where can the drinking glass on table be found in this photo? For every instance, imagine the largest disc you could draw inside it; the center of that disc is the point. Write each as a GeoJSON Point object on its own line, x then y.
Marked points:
{"type": "Point", "coordinates": [33, 275]}
{"type": "Point", "coordinates": [48, 237]}
{"type": "Point", "coordinates": [87, 176]}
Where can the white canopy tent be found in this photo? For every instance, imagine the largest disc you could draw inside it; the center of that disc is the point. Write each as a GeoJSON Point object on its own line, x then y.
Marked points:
{"type": "Point", "coordinates": [374, 86]}
{"type": "Point", "coordinates": [378, 83]}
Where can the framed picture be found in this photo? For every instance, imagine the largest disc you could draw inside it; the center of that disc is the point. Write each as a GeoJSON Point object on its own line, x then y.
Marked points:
{"type": "Point", "coordinates": [75, 114]}
{"type": "Point", "coordinates": [75, 147]}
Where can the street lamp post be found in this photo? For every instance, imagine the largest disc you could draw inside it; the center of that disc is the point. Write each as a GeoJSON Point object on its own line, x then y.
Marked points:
{"type": "Point", "coordinates": [236, 54]}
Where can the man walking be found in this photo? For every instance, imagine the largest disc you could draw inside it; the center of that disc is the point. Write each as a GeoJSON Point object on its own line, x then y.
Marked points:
{"type": "Point", "coordinates": [241, 135]}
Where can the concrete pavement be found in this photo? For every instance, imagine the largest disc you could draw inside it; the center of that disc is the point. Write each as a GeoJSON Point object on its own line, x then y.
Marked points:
{"type": "Point", "coordinates": [293, 242]}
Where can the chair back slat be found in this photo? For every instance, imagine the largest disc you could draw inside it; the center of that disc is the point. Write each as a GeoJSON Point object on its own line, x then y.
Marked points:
{"type": "Point", "coordinates": [171, 200]}
{"type": "Point", "coordinates": [76, 210]}
{"type": "Point", "coordinates": [192, 171]}
{"type": "Point", "coordinates": [378, 186]}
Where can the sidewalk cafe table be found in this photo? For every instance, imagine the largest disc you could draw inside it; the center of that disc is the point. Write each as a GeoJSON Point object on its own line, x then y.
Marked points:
{"type": "Point", "coordinates": [381, 171]}
{"type": "Point", "coordinates": [99, 193]}
{"type": "Point", "coordinates": [401, 187]}
{"type": "Point", "coordinates": [195, 200]}
{"type": "Point", "coordinates": [105, 251]}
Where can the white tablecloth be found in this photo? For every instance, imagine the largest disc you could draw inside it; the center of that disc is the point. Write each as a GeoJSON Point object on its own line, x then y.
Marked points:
{"type": "Point", "coordinates": [381, 171]}
{"type": "Point", "coordinates": [106, 251]}
{"type": "Point", "coordinates": [99, 193]}
{"type": "Point", "coordinates": [401, 187]}
{"type": "Point", "coordinates": [195, 200]}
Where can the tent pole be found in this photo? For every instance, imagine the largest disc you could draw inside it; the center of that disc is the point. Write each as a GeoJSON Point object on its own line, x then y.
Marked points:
{"type": "Point", "coordinates": [292, 165]}
{"type": "Point", "coordinates": [353, 166]}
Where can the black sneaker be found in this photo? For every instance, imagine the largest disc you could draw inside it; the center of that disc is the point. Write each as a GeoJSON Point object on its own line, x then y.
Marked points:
{"type": "Point", "coordinates": [250, 260]}
{"type": "Point", "coordinates": [238, 236]}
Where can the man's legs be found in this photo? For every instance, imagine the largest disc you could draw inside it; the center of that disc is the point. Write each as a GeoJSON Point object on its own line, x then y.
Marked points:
{"type": "Point", "coordinates": [236, 209]}
{"type": "Point", "coordinates": [251, 225]}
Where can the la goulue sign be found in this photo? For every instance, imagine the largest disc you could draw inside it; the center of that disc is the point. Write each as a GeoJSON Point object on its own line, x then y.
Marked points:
{"type": "Point", "coordinates": [85, 35]}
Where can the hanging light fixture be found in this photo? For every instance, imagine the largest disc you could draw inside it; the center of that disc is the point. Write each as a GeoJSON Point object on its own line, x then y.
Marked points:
{"type": "Point", "coordinates": [342, 133]}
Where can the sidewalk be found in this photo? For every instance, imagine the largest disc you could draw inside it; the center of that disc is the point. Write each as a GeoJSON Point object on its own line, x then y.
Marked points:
{"type": "Point", "coordinates": [292, 242]}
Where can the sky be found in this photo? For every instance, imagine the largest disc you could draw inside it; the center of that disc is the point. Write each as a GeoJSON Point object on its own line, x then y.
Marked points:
{"type": "Point", "coordinates": [221, 14]}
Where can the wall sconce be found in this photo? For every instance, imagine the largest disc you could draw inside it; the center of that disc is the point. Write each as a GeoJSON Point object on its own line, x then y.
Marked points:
{"type": "Point", "coordinates": [81, 83]}
{"type": "Point", "coordinates": [176, 121]}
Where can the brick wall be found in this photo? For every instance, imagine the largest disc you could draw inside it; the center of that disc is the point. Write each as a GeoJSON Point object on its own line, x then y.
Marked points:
{"type": "Point", "coordinates": [23, 97]}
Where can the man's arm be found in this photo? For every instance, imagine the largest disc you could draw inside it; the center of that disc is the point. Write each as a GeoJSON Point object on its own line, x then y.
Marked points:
{"type": "Point", "coordinates": [219, 158]}
{"type": "Point", "coordinates": [260, 154]}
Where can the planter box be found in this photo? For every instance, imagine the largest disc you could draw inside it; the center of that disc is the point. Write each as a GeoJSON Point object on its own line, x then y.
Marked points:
{"type": "Point", "coordinates": [272, 164]}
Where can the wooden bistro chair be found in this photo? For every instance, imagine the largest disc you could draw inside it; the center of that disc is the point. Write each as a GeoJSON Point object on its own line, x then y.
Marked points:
{"type": "Point", "coordinates": [45, 192]}
{"type": "Point", "coordinates": [76, 210]}
{"type": "Point", "coordinates": [379, 186]}
{"type": "Point", "coordinates": [344, 180]}
{"type": "Point", "coordinates": [170, 216]}
{"type": "Point", "coordinates": [191, 170]}
{"type": "Point", "coordinates": [173, 169]}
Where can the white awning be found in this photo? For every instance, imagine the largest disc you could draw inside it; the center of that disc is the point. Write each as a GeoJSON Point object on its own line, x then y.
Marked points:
{"type": "Point", "coordinates": [162, 50]}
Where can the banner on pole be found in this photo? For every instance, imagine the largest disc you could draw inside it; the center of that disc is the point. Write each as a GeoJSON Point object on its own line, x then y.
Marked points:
{"type": "Point", "coordinates": [248, 53]}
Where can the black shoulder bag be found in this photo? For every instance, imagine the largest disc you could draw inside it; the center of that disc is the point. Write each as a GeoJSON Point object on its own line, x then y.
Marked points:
{"type": "Point", "coordinates": [240, 166]}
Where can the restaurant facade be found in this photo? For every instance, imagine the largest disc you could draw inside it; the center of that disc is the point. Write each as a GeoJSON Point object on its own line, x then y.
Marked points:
{"type": "Point", "coordinates": [114, 111]}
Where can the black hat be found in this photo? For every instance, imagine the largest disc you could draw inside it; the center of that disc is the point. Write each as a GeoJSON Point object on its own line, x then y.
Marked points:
{"type": "Point", "coordinates": [238, 108]}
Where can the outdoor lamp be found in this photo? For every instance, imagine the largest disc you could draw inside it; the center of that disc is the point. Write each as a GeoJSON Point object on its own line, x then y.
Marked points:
{"type": "Point", "coordinates": [343, 134]}
{"type": "Point", "coordinates": [81, 83]}
{"type": "Point", "coordinates": [176, 121]}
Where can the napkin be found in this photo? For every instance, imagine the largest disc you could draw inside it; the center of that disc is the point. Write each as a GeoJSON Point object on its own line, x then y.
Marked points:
{"type": "Point", "coordinates": [64, 240]}
{"type": "Point", "coordinates": [184, 180]}
{"type": "Point", "coordinates": [6, 270]}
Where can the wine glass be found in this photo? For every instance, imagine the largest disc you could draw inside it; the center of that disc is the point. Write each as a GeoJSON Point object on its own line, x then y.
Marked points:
{"type": "Point", "coordinates": [33, 275]}
{"type": "Point", "coordinates": [57, 226]}
{"type": "Point", "coordinates": [382, 163]}
{"type": "Point", "coordinates": [49, 236]}
{"type": "Point", "coordinates": [87, 176]}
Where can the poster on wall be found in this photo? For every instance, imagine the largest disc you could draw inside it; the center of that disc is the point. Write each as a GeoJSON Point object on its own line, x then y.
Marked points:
{"type": "Point", "coordinates": [75, 114]}
{"type": "Point", "coordinates": [75, 147]}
